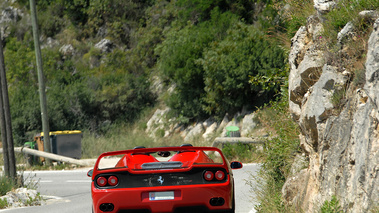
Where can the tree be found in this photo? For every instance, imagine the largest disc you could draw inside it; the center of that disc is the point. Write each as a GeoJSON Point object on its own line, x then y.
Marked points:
{"type": "Point", "coordinates": [5, 121]}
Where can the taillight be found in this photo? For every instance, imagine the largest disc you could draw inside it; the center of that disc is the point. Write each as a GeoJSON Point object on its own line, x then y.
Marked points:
{"type": "Point", "coordinates": [220, 175]}
{"type": "Point", "coordinates": [112, 180]}
{"type": "Point", "coordinates": [208, 175]}
{"type": "Point", "coordinates": [101, 181]}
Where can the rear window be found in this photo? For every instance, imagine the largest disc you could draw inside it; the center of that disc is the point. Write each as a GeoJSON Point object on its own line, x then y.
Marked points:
{"type": "Point", "coordinates": [161, 160]}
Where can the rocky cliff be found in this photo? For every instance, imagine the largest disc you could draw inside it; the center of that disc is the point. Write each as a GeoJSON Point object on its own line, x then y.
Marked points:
{"type": "Point", "coordinates": [340, 140]}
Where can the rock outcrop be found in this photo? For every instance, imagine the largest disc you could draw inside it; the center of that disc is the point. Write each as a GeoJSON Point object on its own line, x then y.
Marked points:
{"type": "Point", "coordinates": [341, 142]}
{"type": "Point", "coordinates": [22, 197]}
{"type": "Point", "coordinates": [159, 125]}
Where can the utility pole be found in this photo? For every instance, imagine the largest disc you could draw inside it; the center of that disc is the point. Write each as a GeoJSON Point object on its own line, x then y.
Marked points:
{"type": "Point", "coordinates": [41, 82]}
{"type": "Point", "coordinates": [5, 121]}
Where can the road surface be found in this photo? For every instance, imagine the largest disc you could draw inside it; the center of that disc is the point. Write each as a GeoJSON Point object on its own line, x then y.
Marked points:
{"type": "Point", "coordinates": [69, 191]}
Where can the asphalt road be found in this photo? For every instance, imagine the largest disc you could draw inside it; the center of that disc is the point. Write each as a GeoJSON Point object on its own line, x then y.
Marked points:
{"type": "Point", "coordinates": [69, 191]}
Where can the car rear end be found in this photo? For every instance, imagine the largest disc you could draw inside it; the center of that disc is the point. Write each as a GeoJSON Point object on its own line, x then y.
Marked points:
{"type": "Point", "coordinates": [169, 186]}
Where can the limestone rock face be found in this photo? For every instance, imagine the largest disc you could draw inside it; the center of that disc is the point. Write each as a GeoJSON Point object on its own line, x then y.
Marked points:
{"type": "Point", "coordinates": [341, 144]}
{"type": "Point", "coordinates": [324, 6]}
{"type": "Point", "coordinates": [160, 125]}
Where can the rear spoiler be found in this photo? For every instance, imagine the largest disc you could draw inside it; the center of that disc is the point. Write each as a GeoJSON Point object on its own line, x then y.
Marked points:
{"type": "Point", "coordinates": [155, 150]}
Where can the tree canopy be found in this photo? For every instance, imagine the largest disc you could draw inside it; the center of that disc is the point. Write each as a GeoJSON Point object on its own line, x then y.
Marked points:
{"type": "Point", "coordinates": [215, 54]}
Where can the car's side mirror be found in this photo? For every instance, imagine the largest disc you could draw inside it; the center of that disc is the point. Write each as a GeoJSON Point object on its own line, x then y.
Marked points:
{"type": "Point", "coordinates": [236, 165]}
{"type": "Point", "coordinates": [89, 173]}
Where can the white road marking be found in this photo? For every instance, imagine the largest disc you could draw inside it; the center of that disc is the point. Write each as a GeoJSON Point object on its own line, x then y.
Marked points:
{"type": "Point", "coordinates": [78, 181]}
{"type": "Point", "coordinates": [45, 181]}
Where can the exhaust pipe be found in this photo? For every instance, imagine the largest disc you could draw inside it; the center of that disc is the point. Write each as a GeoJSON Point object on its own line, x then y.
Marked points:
{"type": "Point", "coordinates": [106, 207]}
{"type": "Point", "coordinates": [217, 201]}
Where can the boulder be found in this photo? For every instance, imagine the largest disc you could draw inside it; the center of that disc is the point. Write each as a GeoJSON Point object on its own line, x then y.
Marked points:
{"type": "Point", "coordinates": [305, 76]}
{"type": "Point", "coordinates": [67, 50]}
{"type": "Point", "coordinates": [369, 15]}
{"type": "Point", "coordinates": [22, 197]}
{"type": "Point", "coordinates": [223, 123]}
{"type": "Point", "coordinates": [196, 131]}
{"type": "Point", "coordinates": [105, 46]}
{"type": "Point", "coordinates": [210, 131]}
{"type": "Point", "coordinates": [346, 32]}
{"type": "Point", "coordinates": [324, 6]}
{"type": "Point", "coordinates": [248, 125]}
{"type": "Point", "coordinates": [10, 14]}
{"type": "Point", "coordinates": [157, 122]}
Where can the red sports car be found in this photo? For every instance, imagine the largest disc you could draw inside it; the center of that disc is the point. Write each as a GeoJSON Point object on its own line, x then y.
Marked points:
{"type": "Point", "coordinates": [194, 179]}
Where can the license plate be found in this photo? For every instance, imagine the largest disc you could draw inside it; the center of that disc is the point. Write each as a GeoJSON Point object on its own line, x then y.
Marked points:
{"type": "Point", "coordinates": [161, 195]}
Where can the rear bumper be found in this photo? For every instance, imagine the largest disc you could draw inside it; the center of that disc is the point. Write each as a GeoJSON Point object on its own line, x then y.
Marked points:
{"type": "Point", "coordinates": [185, 198]}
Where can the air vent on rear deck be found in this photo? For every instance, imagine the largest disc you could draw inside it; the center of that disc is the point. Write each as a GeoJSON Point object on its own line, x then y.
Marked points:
{"type": "Point", "coordinates": [162, 165]}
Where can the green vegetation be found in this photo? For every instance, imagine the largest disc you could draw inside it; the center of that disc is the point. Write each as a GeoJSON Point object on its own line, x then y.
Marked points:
{"type": "Point", "coordinates": [3, 203]}
{"type": "Point", "coordinates": [279, 153]}
{"type": "Point", "coordinates": [209, 50]}
{"type": "Point", "coordinates": [246, 153]}
{"type": "Point", "coordinates": [6, 185]}
{"type": "Point", "coordinates": [331, 206]}
{"type": "Point", "coordinates": [211, 66]}
{"type": "Point", "coordinates": [219, 55]}
{"type": "Point", "coordinates": [285, 143]}
{"type": "Point", "coordinates": [354, 44]}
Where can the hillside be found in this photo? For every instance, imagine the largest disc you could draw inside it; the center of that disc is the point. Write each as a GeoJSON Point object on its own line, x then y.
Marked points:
{"type": "Point", "coordinates": [307, 69]}
{"type": "Point", "coordinates": [106, 62]}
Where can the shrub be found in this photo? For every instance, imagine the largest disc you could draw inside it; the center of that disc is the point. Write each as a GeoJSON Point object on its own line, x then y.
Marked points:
{"type": "Point", "coordinates": [229, 65]}
{"type": "Point", "coordinates": [338, 97]}
{"type": "Point", "coordinates": [296, 14]}
{"type": "Point", "coordinates": [210, 64]}
{"type": "Point", "coordinates": [6, 185]}
{"type": "Point", "coordinates": [331, 206]}
{"type": "Point", "coordinates": [279, 154]}
{"type": "Point", "coordinates": [3, 203]}
{"type": "Point", "coordinates": [242, 152]}
{"type": "Point", "coordinates": [51, 20]}
{"type": "Point", "coordinates": [178, 55]}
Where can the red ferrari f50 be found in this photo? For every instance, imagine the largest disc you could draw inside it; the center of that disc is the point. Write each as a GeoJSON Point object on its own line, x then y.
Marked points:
{"type": "Point", "coordinates": [194, 179]}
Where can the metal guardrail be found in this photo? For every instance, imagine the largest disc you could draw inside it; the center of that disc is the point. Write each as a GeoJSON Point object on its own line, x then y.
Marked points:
{"type": "Point", "coordinates": [51, 156]}
{"type": "Point", "coordinates": [235, 140]}
{"type": "Point", "coordinates": [218, 141]}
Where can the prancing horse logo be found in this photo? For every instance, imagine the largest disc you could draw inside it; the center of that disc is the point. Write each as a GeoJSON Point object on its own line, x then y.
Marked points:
{"type": "Point", "coordinates": [160, 180]}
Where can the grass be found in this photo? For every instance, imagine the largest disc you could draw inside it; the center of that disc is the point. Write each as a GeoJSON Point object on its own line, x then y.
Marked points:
{"type": "Point", "coordinates": [246, 153]}
{"type": "Point", "coordinates": [3, 203]}
{"type": "Point", "coordinates": [349, 55]}
{"type": "Point", "coordinates": [297, 14]}
{"type": "Point", "coordinates": [279, 152]}
{"type": "Point", "coordinates": [120, 138]}
{"type": "Point", "coordinates": [338, 97]}
{"type": "Point", "coordinates": [6, 185]}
